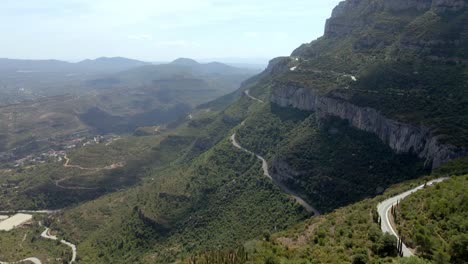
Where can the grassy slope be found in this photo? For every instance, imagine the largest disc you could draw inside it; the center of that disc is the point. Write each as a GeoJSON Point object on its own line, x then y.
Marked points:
{"type": "Point", "coordinates": [214, 200]}
{"type": "Point", "coordinates": [336, 237]}
{"type": "Point", "coordinates": [41, 119]}
{"type": "Point", "coordinates": [434, 221]}
{"type": "Point", "coordinates": [328, 161]}
{"type": "Point", "coordinates": [22, 243]}
{"type": "Point", "coordinates": [348, 233]}
{"type": "Point", "coordinates": [34, 188]}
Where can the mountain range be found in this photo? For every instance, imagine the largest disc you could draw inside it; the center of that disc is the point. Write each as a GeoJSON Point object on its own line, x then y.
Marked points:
{"type": "Point", "coordinates": [103, 64]}
{"type": "Point", "coordinates": [289, 168]}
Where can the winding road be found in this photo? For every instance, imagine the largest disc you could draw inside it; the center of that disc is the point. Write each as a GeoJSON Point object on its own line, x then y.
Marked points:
{"type": "Point", "coordinates": [266, 173]}
{"type": "Point", "coordinates": [385, 207]}
{"type": "Point", "coordinates": [33, 260]}
{"type": "Point", "coordinates": [310, 209]}
{"type": "Point", "coordinates": [46, 234]}
{"type": "Point", "coordinates": [31, 212]}
{"type": "Point", "coordinates": [247, 93]}
{"type": "Point", "coordinates": [67, 165]}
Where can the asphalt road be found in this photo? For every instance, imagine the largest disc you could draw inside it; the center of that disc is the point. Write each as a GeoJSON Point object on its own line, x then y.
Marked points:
{"type": "Point", "coordinates": [384, 208]}
{"type": "Point", "coordinates": [310, 209]}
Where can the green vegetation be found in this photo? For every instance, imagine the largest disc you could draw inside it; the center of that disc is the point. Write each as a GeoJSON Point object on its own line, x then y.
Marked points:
{"type": "Point", "coordinates": [410, 65]}
{"type": "Point", "coordinates": [26, 242]}
{"type": "Point", "coordinates": [186, 194]}
{"type": "Point", "coordinates": [454, 167]}
{"type": "Point", "coordinates": [41, 120]}
{"type": "Point", "coordinates": [215, 202]}
{"type": "Point", "coordinates": [430, 93]}
{"type": "Point", "coordinates": [434, 221]}
{"type": "Point", "coordinates": [324, 162]}
{"type": "Point", "coordinates": [53, 186]}
{"type": "Point", "coordinates": [347, 235]}
{"type": "Point", "coordinates": [238, 256]}
{"type": "Point", "coordinates": [352, 234]}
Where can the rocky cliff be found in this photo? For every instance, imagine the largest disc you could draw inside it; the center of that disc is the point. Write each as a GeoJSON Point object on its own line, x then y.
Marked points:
{"type": "Point", "coordinates": [394, 47]}
{"type": "Point", "coordinates": [399, 136]}
{"type": "Point", "coordinates": [353, 14]}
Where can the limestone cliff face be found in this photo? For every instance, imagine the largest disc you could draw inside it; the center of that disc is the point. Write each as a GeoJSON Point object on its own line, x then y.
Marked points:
{"type": "Point", "coordinates": [362, 27]}
{"type": "Point", "coordinates": [399, 136]}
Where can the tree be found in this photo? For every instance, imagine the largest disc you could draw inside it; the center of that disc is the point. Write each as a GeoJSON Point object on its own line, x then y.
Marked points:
{"type": "Point", "coordinates": [387, 245]}
{"type": "Point", "coordinates": [360, 259]}
{"type": "Point", "coordinates": [459, 249]}
{"type": "Point", "coordinates": [412, 260]}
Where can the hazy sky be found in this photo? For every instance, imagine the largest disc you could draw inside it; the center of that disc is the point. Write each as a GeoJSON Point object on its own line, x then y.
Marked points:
{"type": "Point", "coordinates": [156, 30]}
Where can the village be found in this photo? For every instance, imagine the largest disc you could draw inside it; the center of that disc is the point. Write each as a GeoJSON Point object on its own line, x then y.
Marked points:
{"type": "Point", "coordinates": [56, 153]}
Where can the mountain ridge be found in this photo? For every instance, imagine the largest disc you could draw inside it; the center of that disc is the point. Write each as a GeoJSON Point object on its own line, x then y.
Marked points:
{"type": "Point", "coordinates": [102, 64]}
{"type": "Point", "coordinates": [316, 77]}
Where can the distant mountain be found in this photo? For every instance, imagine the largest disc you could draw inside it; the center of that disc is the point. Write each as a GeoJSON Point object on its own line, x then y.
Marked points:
{"type": "Point", "coordinates": [211, 67]}
{"type": "Point", "coordinates": [111, 64]}
{"type": "Point", "coordinates": [255, 65]}
{"type": "Point", "coordinates": [204, 82]}
{"type": "Point", "coordinates": [33, 65]}
{"type": "Point", "coordinates": [259, 66]}
{"type": "Point", "coordinates": [185, 62]}
{"type": "Point", "coordinates": [98, 65]}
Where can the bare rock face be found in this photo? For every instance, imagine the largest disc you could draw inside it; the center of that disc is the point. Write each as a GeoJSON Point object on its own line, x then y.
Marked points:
{"type": "Point", "coordinates": [400, 5]}
{"type": "Point", "coordinates": [399, 136]}
{"type": "Point", "coordinates": [277, 66]}
{"type": "Point", "coordinates": [351, 14]}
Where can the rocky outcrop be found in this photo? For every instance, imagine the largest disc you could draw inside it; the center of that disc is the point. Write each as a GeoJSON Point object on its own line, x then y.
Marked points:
{"type": "Point", "coordinates": [352, 14]}
{"type": "Point", "coordinates": [277, 66]}
{"type": "Point", "coordinates": [399, 136]}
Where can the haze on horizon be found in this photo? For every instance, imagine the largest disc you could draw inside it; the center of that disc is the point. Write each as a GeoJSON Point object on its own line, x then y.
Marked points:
{"type": "Point", "coordinates": [155, 30]}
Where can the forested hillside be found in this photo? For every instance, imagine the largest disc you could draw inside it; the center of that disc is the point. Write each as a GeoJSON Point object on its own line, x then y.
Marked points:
{"type": "Point", "coordinates": [374, 108]}
{"type": "Point", "coordinates": [329, 132]}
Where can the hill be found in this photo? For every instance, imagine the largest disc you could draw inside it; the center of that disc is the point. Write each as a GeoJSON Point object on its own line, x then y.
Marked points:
{"type": "Point", "coordinates": [310, 117]}
{"type": "Point", "coordinates": [353, 118]}
{"type": "Point", "coordinates": [434, 222]}
{"type": "Point", "coordinates": [105, 64]}
{"type": "Point", "coordinates": [114, 103]}
{"type": "Point", "coordinates": [352, 235]}
{"type": "Point", "coordinates": [102, 64]}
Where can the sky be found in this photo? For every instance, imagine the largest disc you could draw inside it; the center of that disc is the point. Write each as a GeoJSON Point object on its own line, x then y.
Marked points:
{"type": "Point", "coordinates": [156, 30]}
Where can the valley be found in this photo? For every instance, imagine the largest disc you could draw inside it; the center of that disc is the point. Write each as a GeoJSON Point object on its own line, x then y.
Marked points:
{"type": "Point", "coordinates": [352, 149]}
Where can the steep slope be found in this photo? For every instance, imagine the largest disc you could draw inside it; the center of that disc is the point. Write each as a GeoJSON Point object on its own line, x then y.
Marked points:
{"type": "Point", "coordinates": [434, 221]}
{"type": "Point", "coordinates": [340, 121]}
{"type": "Point", "coordinates": [394, 68]}
{"type": "Point", "coordinates": [211, 197]}
{"type": "Point", "coordinates": [214, 194]}
{"type": "Point", "coordinates": [352, 234]}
